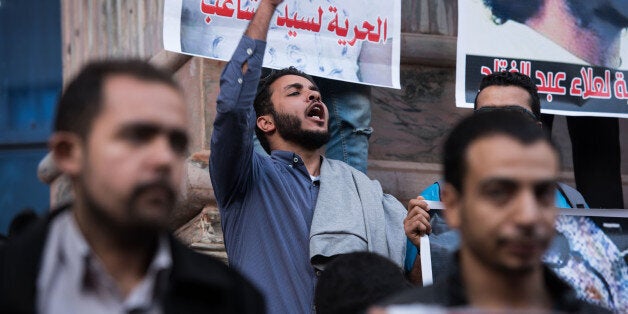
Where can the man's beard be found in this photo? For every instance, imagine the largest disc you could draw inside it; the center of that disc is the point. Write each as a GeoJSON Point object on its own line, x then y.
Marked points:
{"type": "Point", "coordinates": [489, 254]}
{"type": "Point", "coordinates": [289, 127]}
{"type": "Point", "coordinates": [133, 221]}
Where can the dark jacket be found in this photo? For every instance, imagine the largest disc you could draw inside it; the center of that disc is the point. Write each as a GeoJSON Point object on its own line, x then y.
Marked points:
{"type": "Point", "coordinates": [197, 283]}
{"type": "Point", "coordinates": [450, 293]}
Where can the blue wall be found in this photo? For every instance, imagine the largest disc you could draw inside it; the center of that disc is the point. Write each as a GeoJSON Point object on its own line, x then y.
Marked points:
{"type": "Point", "coordinates": [30, 82]}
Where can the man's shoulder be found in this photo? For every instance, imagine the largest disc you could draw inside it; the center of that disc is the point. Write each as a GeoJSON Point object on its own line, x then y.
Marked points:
{"type": "Point", "coordinates": [20, 260]}
{"type": "Point", "coordinates": [340, 166]}
{"type": "Point", "coordinates": [28, 245]}
{"type": "Point", "coordinates": [337, 163]}
{"type": "Point", "coordinates": [343, 173]}
{"type": "Point", "coordinates": [201, 281]}
{"type": "Point", "coordinates": [189, 265]}
{"type": "Point", "coordinates": [432, 192]}
{"type": "Point", "coordinates": [186, 263]}
{"type": "Point", "coordinates": [570, 197]}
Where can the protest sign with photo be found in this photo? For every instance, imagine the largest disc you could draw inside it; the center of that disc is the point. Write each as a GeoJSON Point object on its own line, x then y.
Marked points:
{"type": "Point", "coordinates": [580, 67]}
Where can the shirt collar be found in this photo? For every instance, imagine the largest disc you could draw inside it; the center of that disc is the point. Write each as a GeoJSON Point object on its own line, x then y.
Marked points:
{"type": "Point", "coordinates": [289, 158]}
{"type": "Point", "coordinates": [292, 160]}
{"type": "Point", "coordinates": [74, 253]}
{"type": "Point", "coordinates": [149, 291]}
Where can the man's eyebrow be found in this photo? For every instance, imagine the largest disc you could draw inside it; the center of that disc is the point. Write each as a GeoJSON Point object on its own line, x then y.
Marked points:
{"type": "Point", "coordinates": [294, 85]}
{"type": "Point", "coordinates": [300, 86]}
{"type": "Point", "coordinates": [500, 180]}
{"type": "Point", "coordinates": [145, 126]}
{"type": "Point", "coordinates": [497, 180]}
{"type": "Point", "coordinates": [546, 182]}
{"type": "Point", "coordinates": [149, 127]}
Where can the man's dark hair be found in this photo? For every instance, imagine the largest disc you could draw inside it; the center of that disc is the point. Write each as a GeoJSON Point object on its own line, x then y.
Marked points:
{"type": "Point", "coordinates": [517, 79]}
{"type": "Point", "coordinates": [352, 282]}
{"type": "Point", "coordinates": [518, 11]}
{"type": "Point", "coordinates": [262, 103]}
{"type": "Point", "coordinates": [482, 124]}
{"type": "Point", "coordinates": [82, 99]}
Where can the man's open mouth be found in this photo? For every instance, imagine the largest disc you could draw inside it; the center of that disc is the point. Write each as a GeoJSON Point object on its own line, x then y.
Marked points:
{"type": "Point", "coordinates": [317, 112]}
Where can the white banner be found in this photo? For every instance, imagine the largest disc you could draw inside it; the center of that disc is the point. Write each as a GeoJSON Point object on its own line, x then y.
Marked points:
{"type": "Point", "coordinates": [352, 40]}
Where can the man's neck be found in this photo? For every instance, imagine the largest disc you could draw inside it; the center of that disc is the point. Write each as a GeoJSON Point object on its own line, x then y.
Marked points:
{"type": "Point", "coordinates": [493, 289]}
{"type": "Point", "coordinates": [125, 256]}
{"type": "Point", "coordinates": [598, 43]}
{"type": "Point", "coordinates": [311, 158]}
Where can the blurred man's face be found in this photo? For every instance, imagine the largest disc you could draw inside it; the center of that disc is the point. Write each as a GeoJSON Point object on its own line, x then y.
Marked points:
{"type": "Point", "coordinates": [132, 161]}
{"type": "Point", "coordinates": [505, 211]}
{"type": "Point", "coordinates": [501, 96]}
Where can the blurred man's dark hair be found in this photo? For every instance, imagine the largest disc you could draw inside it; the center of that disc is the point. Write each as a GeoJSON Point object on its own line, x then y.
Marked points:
{"type": "Point", "coordinates": [481, 124]}
{"type": "Point", "coordinates": [353, 282]}
{"type": "Point", "coordinates": [82, 99]}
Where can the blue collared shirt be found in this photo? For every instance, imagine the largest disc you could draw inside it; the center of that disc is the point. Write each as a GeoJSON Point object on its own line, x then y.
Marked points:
{"type": "Point", "coordinates": [266, 202]}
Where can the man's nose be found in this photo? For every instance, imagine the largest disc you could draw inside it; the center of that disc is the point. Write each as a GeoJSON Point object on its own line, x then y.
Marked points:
{"type": "Point", "coordinates": [314, 97]}
{"type": "Point", "coordinates": [527, 209]}
{"type": "Point", "coordinates": [161, 154]}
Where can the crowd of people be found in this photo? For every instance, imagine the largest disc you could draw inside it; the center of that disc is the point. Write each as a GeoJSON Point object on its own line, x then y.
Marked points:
{"type": "Point", "coordinates": [304, 233]}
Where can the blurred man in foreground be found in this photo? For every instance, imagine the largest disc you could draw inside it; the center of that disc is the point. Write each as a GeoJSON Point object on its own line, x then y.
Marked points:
{"type": "Point", "coordinates": [121, 136]}
{"type": "Point", "coordinates": [501, 173]}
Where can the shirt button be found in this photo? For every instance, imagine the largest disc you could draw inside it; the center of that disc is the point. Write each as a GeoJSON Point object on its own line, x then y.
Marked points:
{"type": "Point", "coordinates": [295, 159]}
{"type": "Point", "coordinates": [249, 51]}
{"type": "Point", "coordinates": [239, 80]}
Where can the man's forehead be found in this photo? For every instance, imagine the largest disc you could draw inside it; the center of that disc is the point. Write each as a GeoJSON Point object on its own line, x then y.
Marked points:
{"type": "Point", "coordinates": [126, 98]}
{"type": "Point", "coordinates": [126, 81]}
{"type": "Point", "coordinates": [503, 155]}
{"type": "Point", "coordinates": [500, 96]}
{"type": "Point", "coordinates": [292, 80]}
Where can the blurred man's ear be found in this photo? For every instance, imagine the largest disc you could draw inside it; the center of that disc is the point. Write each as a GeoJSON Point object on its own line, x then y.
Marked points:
{"type": "Point", "coordinates": [266, 123]}
{"type": "Point", "coordinates": [67, 152]}
{"type": "Point", "coordinates": [452, 200]}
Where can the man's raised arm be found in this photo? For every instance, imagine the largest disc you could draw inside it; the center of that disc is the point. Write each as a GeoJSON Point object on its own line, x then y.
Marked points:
{"type": "Point", "coordinates": [232, 138]}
